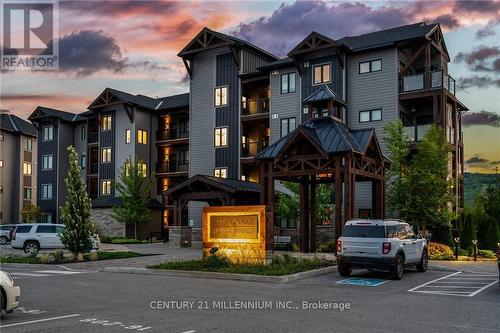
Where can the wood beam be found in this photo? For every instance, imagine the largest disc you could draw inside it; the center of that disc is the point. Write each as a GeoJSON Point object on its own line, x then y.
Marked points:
{"type": "Point", "coordinates": [338, 200]}
{"type": "Point", "coordinates": [312, 210]}
{"type": "Point", "coordinates": [188, 67]}
{"type": "Point", "coordinates": [304, 217]}
{"type": "Point", "coordinates": [412, 60]}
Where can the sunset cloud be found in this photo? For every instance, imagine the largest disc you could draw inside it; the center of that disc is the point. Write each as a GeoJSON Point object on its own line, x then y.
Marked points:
{"type": "Point", "coordinates": [481, 59]}
{"type": "Point", "coordinates": [481, 118]}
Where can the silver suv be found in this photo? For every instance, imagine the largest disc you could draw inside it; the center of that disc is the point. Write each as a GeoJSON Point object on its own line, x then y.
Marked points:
{"type": "Point", "coordinates": [388, 245]}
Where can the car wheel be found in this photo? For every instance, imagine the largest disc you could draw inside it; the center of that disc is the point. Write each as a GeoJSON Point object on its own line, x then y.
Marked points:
{"type": "Point", "coordinates": [31, 248]}
{"type": "Point", "coordinates": [344, 270]}
{"type": "Point", "coordinates": [3, 240]}
{"type": "Point", "coordinates": [397, 271]}
{"type": "Point", "coordinates": [424, 262]}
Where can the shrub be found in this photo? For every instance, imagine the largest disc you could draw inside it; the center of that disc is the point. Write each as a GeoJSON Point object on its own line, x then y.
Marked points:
{"type": "Point", "coordinates": [486, 254]}
{"type": "Point", "coordinates": [58, 256]}
{"type": "Point", "coordinates": [295, 247]}
{"type": "Point", "coordinates": [439, 251]}
{"type": "Point", "coordinates": [328, 247]}
{"type": "Point", "coordinates": [105, 239]}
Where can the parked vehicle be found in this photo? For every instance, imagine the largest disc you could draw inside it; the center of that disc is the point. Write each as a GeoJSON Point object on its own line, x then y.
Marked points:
{"type": "Point", "coordinates": [34, 237]}
{"type": "Point", "coordinates": [5, 233]}
{"type": "Point", "coordinates": [9, 293]}
{"type": "Point", "coordinates": [388, 245]}
{"type": "Point", "coordinates": [498, 262]}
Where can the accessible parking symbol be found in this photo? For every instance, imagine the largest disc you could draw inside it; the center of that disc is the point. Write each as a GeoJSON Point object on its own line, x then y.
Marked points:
{"type": "Point", "coordinates": [362, 282]}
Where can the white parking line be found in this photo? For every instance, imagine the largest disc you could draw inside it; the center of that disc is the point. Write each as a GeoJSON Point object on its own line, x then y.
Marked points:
{"type": "Point", "coordinates": [40, 320]}
{"type": "Point", "coordinates": [59, 272]}
{"type": "Point", "coordinates": [16, 274]}
{"type": "Point", "coordinates": [441, 278]}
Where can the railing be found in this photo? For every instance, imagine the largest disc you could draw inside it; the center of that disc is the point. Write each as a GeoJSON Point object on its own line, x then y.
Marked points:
{"type": "Point", "coordinates": [255, 106]}
{"type": "Point", "coordinates": [172, 166]}
{"type": "Point", "coordinates": [92, 138]}
{"type": "Point", "coordinates": [93, 167]}
{"type": "Point", "coordinates": [249, 149]}
{"type": "Point", "coordinates": [427, 80]}
{"type": "Point", "coordinates": [171, 134]}
{"type": "Point", "coordinates": [416, 133]}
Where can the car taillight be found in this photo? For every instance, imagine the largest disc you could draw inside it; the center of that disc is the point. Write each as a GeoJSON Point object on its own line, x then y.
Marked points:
{"type": "Point", "coordinates": [386, 247]}
{"type": "Point", "coordinates": [339, 246]}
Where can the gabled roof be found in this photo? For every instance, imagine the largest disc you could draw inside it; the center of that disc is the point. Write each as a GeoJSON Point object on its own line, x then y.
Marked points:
{"type": "Point", "coordinates": [43, 112]}
{"type": "Point", "coordinates": [322, 94]}
{"type": "Point", "coordinates": [388, 37]}
{"type": "Point", "coordinates": [315, 41]}
{"type": "Point", "coordinates": [12, 123]}
{"type": "Point", "coordinates": [332, 136]}
{"type": "Point", "coordinates": [174, 102]}
{"type": "Point", "coordinates": [225, 184]}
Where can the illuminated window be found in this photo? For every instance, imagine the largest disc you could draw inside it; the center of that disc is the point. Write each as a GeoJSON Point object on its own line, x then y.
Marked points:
{"type": "Point", "coordinates": [106, 155]}
{"type": "Point", "coordinates": [127, 136]}
{"type": "Point", "coordinates": [220, 137]}
{"type": "Point", "coordinates": [321, 74]}
{"type": "Point", "coordinates": [106, 123]}
{"type": "Point", "coordinates": [142, 169]}
{"type": "Point", "coordinates": [220, 172]}
{"type": "Point", "coordinates": [220, 96]}
{"type": "Point", "coordinates": [106, 187]}
{"type": "Point", "coordinates": [142, 137]}
{"type": "Point", "coordinates": [47, 162]}
{"type": "Point", "coordinates": [127, 168]}
{"type": "Point", "coordinates": [1, 163]}
{"type": "Point", "coordinates": [27, 168]}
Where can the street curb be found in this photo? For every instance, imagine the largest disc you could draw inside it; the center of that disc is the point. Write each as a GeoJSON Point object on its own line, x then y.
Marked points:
{"type": "Point", "coordinates": [223, 276]}
{"type": "Point", "coordinates": [441, 269]}
{"type": "Point", "coordinates": [30, 265]}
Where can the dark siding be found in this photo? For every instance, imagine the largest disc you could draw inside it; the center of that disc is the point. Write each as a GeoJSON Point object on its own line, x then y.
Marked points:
{"type": "Point", "coordinates": [227, 74]}
{"type": "Point", "coordinates": [251, 61]}
{"type": "Point", "coordinates": [336, 75]}
{"type": "Point", "coordinates": [107, 139]}
{"type": "Point", "coordinates": [47, 176]}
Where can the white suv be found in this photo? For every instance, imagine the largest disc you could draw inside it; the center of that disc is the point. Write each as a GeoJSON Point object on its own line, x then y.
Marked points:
{"type": "Point", "coordinates": [388, 245]}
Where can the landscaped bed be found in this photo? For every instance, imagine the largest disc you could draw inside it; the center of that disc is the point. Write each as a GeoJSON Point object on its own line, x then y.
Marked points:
{"type": "Point", "coordinates": [60, 258]}
{"type": "Point", "coordinates": [281, 265]}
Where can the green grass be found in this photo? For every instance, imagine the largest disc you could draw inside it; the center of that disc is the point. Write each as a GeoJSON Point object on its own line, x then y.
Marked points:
{"type": "Point", "coordinates": [101, 255]}
{"type": "Point", "coordinates": [281, 265]}
{"type": "Point", "coordinates": [19, 260]}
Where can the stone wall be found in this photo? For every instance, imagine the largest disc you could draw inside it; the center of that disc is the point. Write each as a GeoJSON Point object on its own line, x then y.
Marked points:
{"type": "Point", "coordinates": [105, 224]}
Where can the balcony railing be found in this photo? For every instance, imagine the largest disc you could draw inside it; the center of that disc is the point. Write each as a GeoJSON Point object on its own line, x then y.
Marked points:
{"type": "Point", "coordinates": [92, 138]}
{"type": "Point", "coordinates": [171, 134]}
{"type": "Point", "coordinates": [255, 106]}
{"type": "Point", "coordinates": [252, 148]}
{"type": "Point", "coordinates": [93, 167]}
{"type": "Point", "coordinates": [427, 80]}
{"type": "Point", "coordinates": [416, 133]}
{"type": "Point", "coordinates": [172, 166]}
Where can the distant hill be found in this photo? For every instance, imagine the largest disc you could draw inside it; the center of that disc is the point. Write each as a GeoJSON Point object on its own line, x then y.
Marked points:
{"type": "Point", "coordinates": [474, 183]}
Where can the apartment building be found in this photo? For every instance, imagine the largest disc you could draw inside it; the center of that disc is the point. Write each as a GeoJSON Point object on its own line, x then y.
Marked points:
{"type": "Point", "coordinates": [18, 167]}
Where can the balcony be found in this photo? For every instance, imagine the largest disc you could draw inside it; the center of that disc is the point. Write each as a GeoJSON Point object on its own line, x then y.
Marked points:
{"type": "Point", "coordinates": [93, 167]}
{"type": "Point", "coordinates": [256, 106]}
{"type": "Point", "coordinates": [416, 133]}
{"type": "Point", "coordinates": [252, 148]}
{"type": "Point", "coordinates": [172, 166]}
{"type": "Point", "coordinates": [171, 134]}
{"type": "Point", "coordinates": [92, 137]}
{"type": "Point", "coordinates": [426, 81]}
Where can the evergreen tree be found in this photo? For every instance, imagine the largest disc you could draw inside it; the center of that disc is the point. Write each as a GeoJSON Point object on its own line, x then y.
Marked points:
{"type": "Point", "coordinates": [75, 214]}
{"type": "Point", "coordinates": [133, 187]}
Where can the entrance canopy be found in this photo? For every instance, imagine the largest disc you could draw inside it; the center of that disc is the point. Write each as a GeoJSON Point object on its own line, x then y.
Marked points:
{"type": "Point", "coordinates": [213, 190]}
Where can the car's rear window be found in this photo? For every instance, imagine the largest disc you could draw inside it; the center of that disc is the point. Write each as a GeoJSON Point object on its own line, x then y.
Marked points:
{"type": "Point", "coordinates": [367, 231]}
{"type": "Point", "coordinates": [23, 229]}
{"type": "Point", "coordinates": [5, 227]}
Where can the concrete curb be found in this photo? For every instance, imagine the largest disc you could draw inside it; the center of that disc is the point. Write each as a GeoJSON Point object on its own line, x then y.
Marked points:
{"type": "Point", "coordinates": [223, 276]}
{"type": "Point", "coordinates": [441, 269]}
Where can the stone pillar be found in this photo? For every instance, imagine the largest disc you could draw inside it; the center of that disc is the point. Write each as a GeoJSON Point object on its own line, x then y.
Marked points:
{"type": "Point", "coordinates": [179, 236]}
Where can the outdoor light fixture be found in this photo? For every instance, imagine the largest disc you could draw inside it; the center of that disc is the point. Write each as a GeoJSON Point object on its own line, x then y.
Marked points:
{"type": "Point", "coordinates": [474, 242]}
{"type": "Point", "coordinates": [457, 241]}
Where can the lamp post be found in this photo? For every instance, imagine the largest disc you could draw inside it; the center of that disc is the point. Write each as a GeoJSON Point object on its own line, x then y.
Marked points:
{"type": "Point", "coordinates": [474, 242]}
{"type": "Point", "coordinates": [457, 241]}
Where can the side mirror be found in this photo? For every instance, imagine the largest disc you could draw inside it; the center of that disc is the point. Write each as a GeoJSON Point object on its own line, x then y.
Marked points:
{"type": "Point", "coordinates": [419, 236]}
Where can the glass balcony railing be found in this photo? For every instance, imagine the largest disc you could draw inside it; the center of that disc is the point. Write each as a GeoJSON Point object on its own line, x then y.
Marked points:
{"type": "Point", "coordinates": [427, 80]}
{"type": "Point", "coordinates": [92, 137]}
{"type": "Point", "coordinates": [172, 166]}
{"type": "Point", "coordinates": [416, 133]}
{"type": "Point", "coordinates": [171, 134]}
{"type": "Point", "coordinates": [251, 148]}
{"type": "Point", "coordinates": [254, 106]}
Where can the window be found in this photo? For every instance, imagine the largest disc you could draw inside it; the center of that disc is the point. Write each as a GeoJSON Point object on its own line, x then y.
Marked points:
{"type": "Point", "coordinates": [142, 169]}
{"type": "Point", "coordinates": [184, 157]}
{"type": "Point", "coordinates": [48, 133]}
{"type": "Point", "coordinates": [287, 125]}
{"type": "Point", "coordinates": [46, 191]}
{"type": "Point", "coordinates": [1, 189]}
{"type": "Point", "coordinates": [287, 83]}
{"type": "Point", "coordinates": [1, 163]}
{"type": "Point", "coordinates": [321, 74]}
{"type": "Point", "coordinates": [83, 161]}
{"type": "Point", "coordinates": [46, 229]}
{"type": "Point", "coordinates": [142, 137]}
{"type": "Point", "coordinates": [220, 137]}
{"type": "Point", "coordinates": [127, 136]}
{"type": "Point", "coordinates": [83, 132]}
{"type": "Point", "coordinates": [47, 218]}
{"type": "Point", "coordinates": [106, 155]}
{"type": "Point", "coordinates": [106, 123]}
{"type": "Point", "coordinates": [28, 144]}
{"type": "Point", "coordinates": [47, 162]}
{"type": "Point", "coordinates": [23, 229]}
{"type": "Point", "coordinates": [370, 115]}
{"type": "Point", "coordinates": [2, 137]}
{"type": "Point", "coordinates": [27, 193]}
{"type": "Point", "coordinates": [106, 187]}
{"type": "Point", "coordinates": [220, 96]}
{"type": "Point", "coordinates": [220, 172]}
{"type": "Point", "coordinates": [370, 66]}
{"type": "Point", "coordinates": [27, 168]}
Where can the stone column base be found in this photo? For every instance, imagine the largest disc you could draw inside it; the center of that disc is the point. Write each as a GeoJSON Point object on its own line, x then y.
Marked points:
{"type": "Point", "coordinates": [179, 236]}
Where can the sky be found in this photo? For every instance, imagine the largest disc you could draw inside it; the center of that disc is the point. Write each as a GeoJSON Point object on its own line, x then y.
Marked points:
{"type": "Point", "coordinates": [133, 45]}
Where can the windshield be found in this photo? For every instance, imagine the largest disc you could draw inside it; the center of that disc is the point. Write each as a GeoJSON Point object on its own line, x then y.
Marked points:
{"type": "Point", "coordinates": [364, 231]}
